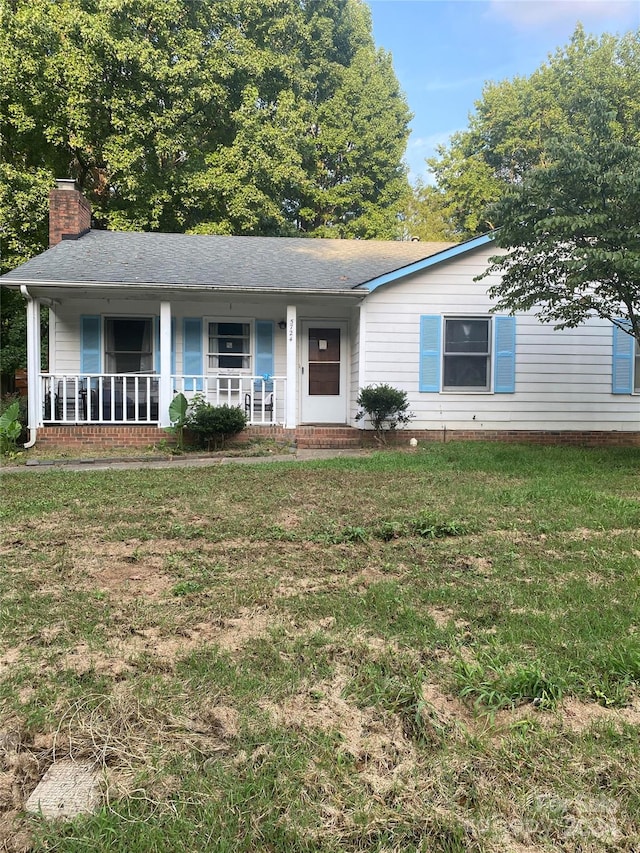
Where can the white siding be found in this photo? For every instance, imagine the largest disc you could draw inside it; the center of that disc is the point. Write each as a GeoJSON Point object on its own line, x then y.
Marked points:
{"type": "Point", "coordinates": [65, 333]}
{"type": "Point", "coordinates": [563, 378]}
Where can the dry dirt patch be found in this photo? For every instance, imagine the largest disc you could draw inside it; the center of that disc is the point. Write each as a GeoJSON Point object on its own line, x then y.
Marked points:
{"type": "Point", "coordinates": [376, 741]}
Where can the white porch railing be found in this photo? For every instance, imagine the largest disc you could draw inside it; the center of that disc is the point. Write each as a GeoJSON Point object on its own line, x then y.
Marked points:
{"type": "Point", "coordinates": [262, 398]}
{"type": "Point", "coordinates": [107, 398]}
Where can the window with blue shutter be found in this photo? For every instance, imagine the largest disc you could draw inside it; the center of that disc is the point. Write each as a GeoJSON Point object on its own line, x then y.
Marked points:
{"type": "Point", "coordinates": [623, 360]}
{"type": "Point", "coordinates": [264, 352]}
{"type": "Point", "coordinates": [430, 352]}
{"type": "Point", "coordinates": [455, 354]}
{"type": "Point", "coordinates": [192, 353]}
{"type": "Point", "coordinates": [90, 344]}
{"type": "Point", "coordinates": [504, 355]}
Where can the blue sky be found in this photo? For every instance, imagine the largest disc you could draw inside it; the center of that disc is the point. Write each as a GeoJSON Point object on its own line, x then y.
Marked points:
{"type": "Point", "coordinates": [444, 51]}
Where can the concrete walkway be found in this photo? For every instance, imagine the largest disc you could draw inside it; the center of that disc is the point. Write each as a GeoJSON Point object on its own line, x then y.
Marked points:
{"type": "Point", "coordinates": [187, 461]}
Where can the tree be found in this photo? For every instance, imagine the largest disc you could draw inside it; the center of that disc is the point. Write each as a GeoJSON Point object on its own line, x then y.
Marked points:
{"type": "Point", "coordinates": [514, 122]}
{"type": "Point", "coordinates": [425, 216]}
{"type": "Point", "coordinates": [572, 228]}
{"type": "Point", "coordinates": [273, 117]}
{"type": "Point", "coordinates": [197, 115]}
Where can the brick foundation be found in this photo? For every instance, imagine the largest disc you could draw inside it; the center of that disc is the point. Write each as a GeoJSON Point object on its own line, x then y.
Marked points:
{"type": "Point", "coordinates": [98, 437]}
{"type": "Point", "coordinates": [578, 438]}
{"type": "Point", "coordinates": [322, 437]}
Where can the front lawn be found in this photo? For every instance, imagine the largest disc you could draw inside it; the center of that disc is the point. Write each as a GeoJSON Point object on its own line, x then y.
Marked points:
{"type": "Point", "coordinates": [430, 651]}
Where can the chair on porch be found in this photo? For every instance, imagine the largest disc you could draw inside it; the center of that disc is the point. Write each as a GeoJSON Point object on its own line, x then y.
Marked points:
{"type": "Point", "coordinates": [260, 404]}
{"type": "Point", "coordinates": [70, 400]}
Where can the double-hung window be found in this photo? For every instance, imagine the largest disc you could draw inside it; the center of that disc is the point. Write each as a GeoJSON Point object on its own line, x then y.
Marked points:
{"type": "Point", "coordinates": [467, 354]}
{"type": "Point", "coordinates": [128, 344]}
{"type": "Point", "coordinates": [229, 346]}
{"type": "Point", "coordinates": [636, 382]}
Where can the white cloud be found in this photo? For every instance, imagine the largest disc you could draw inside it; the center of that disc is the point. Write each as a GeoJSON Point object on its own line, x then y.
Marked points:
{"type": "Point", "coordinates": [540, 13]}
{"type": "Point", "coordinates": [421, 147]}
{"type": "Point", "coordinates": [429, 143]}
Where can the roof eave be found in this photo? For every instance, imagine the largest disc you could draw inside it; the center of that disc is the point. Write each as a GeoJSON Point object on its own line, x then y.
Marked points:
{"type": "Point", "coordinates": [158, 287]}
{"type": "Point", "coordinates": [426, 263]}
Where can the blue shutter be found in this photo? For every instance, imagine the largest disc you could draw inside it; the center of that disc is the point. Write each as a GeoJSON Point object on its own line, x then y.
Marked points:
{"type": "Point", "coordinates": [504, 355]}
{"type": "Point", "coordinates": [430, 352]}
{"type": "Point", "coordinates": [192, 352]}
{"type": "Point", "coordinates": [264, 352]}
{"type": "Point", "coordinates": [623, 357]}
{"type": "Point", "coordinates": [90, 344]}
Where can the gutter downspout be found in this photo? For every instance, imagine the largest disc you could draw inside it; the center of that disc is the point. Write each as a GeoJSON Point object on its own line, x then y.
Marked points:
{"type": "Point", "coordinates": [33, 364]}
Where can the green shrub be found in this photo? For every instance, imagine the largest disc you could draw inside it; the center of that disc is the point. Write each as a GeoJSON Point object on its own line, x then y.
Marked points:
{"type": "Point", "coordinates": [386, 408]}
{"type": "Point", "coordinates": [213, 425]}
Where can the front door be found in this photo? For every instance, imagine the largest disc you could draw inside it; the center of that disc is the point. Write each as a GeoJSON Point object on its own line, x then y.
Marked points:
{"type": "Point", "coordinates": [324, 373]}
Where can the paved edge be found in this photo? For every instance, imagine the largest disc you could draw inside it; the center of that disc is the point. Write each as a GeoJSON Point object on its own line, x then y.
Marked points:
{"type": "Point", "coordinates": [123, 464]}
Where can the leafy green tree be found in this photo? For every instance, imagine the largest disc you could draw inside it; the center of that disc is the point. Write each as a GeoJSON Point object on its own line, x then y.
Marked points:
{"type": "Point", "coordinates": [572, 228]}
{"type": "Point", "coordinates": [514, 122]}
{"type": "Point", "coordinates": [197, 115]}
{"type": "Point", "coordinates": [270, 117]}
{"type": "Point", "coordinates": [357, 180]}
{"type": "Point", "coordinates": [424, 216]}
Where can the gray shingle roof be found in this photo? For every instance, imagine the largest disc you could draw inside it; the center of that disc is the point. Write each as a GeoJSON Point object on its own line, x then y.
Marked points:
{"type": "Point", "coordinates": [268, 263]}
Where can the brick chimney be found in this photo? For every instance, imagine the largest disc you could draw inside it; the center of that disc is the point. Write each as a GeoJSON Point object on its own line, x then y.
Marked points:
{"type": "Point", "coordinates": [69, 212]}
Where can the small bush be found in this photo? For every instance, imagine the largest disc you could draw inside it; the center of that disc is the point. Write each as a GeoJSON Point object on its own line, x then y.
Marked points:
{"type": "Point", "coordinates": [386, 408]}
{"type": "Point", "coordinates": [213, 425]}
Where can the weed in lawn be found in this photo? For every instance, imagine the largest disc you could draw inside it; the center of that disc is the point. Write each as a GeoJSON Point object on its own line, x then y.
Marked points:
{"type": "Point", "coordinates": [495, 687]}
{"type": "Point", "coordinates": [430, 527]}
{"type": "Point", "coordinates": [183, 588]}
{"type": "Point", "coordinates": [390, 530]}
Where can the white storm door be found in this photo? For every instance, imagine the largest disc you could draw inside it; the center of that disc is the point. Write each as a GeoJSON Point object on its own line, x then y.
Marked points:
{"type": "Point", "coordinates": [324, 373]}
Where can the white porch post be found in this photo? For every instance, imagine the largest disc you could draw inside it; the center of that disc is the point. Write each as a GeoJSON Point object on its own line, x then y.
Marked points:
{"type": "Point", "coordinates": [362, 347]}
{"type": "Point", "coordinates": [291, 420]}
{"type": "Point", "coordinates": [164, 390]}
{"type": "Point", "coordinates": [34, 411]}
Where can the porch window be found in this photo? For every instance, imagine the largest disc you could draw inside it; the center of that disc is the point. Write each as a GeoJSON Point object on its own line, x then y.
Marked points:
{"type": "Point", "coordinates": [128, 345]}
{"type": "Point", "coordinates": [229, 346]}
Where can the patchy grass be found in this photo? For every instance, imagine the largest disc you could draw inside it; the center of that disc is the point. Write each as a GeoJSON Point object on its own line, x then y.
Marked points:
{"type": "Point", "coordinates": [435, 651]}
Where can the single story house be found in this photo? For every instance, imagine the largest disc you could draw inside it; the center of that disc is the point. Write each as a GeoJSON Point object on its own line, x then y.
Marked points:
{"type": "Point", "coordinates": [291, 329]}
